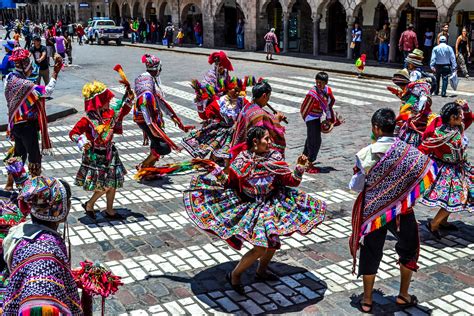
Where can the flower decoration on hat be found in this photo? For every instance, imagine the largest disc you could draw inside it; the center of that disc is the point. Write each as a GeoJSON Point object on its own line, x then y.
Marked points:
{"type": "Point", "coordinates": [96, 96]}
{"type": "Point", "coordinates": [22, 60]}
{"type": "Point", "coordinates": [151, 62]}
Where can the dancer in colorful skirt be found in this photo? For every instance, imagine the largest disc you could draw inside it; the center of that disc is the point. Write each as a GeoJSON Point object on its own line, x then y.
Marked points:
{"type": "Point", "coordinates": [254, 203]}
{"type": "Point", "coordinates": [40, 281]}
{"type": "Point", "coordinates": [220, 115]}
{"type": "Point", "coordinates": [254, 114]}
{"type": "Point", "coordinates": [446, 142]}
{"type": "Point", "coordinates": [318, 102]}
{"type": "Point", "coordinates": [415, 110]}
{"type": "Point", "coordinates": [101, 170]}
{"type": "Point", "coordinates": [26, 111]}
{"type": "Point", "coordinates": [390, 175]}
{"type": "Point", "coordinates": [148, 112]}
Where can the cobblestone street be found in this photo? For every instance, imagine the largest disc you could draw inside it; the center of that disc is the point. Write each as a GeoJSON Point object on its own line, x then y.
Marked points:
{"type": "Point", "coordinates": [170, 267]}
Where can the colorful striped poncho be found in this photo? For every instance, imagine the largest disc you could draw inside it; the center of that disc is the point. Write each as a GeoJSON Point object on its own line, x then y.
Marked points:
{"type": "Point", "coordinates": [254, 115]}
{"type": "Point", "coordinates": [392, 187]}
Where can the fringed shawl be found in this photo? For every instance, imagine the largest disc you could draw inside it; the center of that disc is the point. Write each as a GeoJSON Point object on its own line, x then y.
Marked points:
{"type": "Point", "coordinates": [392, 187]}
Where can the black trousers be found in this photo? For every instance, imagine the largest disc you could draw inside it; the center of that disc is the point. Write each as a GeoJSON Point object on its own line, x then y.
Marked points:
{"type": "Point", "coordinates": [27, 141]}
{"type": "Point", "coordinates": [407, 246]}
{"type": "Point", "coordinates": [157, 145]}
{"type": "Point", "coordinates": [313, 139]}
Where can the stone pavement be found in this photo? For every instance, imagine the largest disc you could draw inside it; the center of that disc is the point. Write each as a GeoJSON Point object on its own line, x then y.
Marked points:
{"type": "Point", "coordinates": [170, 267]}
{"type": "Point", "coordinates": [305, 61]}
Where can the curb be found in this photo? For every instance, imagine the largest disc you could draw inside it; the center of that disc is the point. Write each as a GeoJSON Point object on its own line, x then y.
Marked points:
{"type": "Point", "coordinates": [345, 72]}
{"type": "Point", "coordinates": [51, 118]}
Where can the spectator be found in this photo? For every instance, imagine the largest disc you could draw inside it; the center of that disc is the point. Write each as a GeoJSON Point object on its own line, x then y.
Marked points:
{"type": "Point", "coordinates": [153, 32]}
{"type": "Point", "coordinates": [376, 45]}
{"type": "Point", "coordinates": [384, 40]}
{"type": "Point", "coordinates": [16, 37]}
{"type": "Point", "coordinates": [80, 33]}
{"type": "Point", "coordinates": [126, 28]}
{"type": "Point", "coordinates": [41, 59]}
{"type": "Point", "coordinates": [68, 44]}
{"type": "Point", "coordinates": [356, 40]}
{"type": "Point", "coordinates": [7, 65]}
{"type": "Point", "coordinates": [240, 34]}
{"type": "Point", "coordinates": [463, 52]}
{"type": "Point", "coordinates": [142, 31]}
{"type": "Point", "coordinates": [60, 44]}
{"type": "Point", "coordinates": [428, 43]}
{"type": "Point", "coordinates": [25, 30]}
{"type": "Point", "coordinates": [408, 42]}
{"type": "Point", "coordinates": [169, 34]}
{"type": "Point", "coordinates": [134, 29]}
{"type": "Point", "coordinates": [180, 37]}
{"type": "Point", "coordinates": [198, 33]}
{"type": "Point", "coordinates": [9, 28]}
{"type": "Point", "coordinates": [270, 41]}
{"type": "Point", "coordinates": [159, 32]}
{"type": "Point", "coordinates": [49, 42]}
{"type": "Point", "coordinates": [444, 32]}
{"type": "Point", "coordinates": [443, 63]}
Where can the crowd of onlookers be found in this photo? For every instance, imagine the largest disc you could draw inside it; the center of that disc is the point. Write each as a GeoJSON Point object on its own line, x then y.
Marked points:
{"type": "Point", "coordinates": [409, 40]}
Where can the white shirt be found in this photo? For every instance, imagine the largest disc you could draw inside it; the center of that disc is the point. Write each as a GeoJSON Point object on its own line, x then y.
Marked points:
{"type": "Point", "coordinates": [429, 41]}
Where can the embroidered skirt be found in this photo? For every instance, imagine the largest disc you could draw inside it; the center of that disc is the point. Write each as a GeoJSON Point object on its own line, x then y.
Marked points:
{"type": "Point", "coordinates": [269, 48]}
{"type": "Point", "coordinates": [214, 138]}
{"type": "Point", "coordinates": [453, 188]}
{"type": "Point", "coordinates": [99, 172]}
{"type": "Point", "coordinates": [224, 213]}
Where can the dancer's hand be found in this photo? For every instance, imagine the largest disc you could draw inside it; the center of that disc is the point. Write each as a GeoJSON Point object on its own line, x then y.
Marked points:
{"type": "Point", "coordinates": [302, 160]}
{"type": "Point", "coordinates": [87, 146]}
{"type": "Point", "coordinates": [58, 63]}
{"type": "Point", "coordinates": [280, 116]}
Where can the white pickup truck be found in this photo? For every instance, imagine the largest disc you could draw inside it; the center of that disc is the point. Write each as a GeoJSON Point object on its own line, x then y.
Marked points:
{"type": "Point", "coordinates": [104, 30]}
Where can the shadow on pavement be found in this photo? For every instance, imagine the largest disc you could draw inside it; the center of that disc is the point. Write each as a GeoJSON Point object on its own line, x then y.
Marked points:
{"type": "Point", "coordinates": [296, 289]}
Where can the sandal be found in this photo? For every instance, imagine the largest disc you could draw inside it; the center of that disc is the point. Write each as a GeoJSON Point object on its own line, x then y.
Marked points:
{"type": "Point", "coordinates": [413, 301]}
{"type": "Point", "coordinates": [435, 233]}
{"type": "Point", "coordinates": [91, 214]}
{"type": "Point", "coordinates": [266, 276]}
{"type": "Point", "coordinates": [239, 288]}
{"type": "Point", "coordinates": [361, 306]}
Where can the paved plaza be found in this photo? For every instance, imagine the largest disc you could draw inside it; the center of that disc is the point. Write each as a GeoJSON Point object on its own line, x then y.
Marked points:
{"type": "Point", "coordinates": [170, 267]}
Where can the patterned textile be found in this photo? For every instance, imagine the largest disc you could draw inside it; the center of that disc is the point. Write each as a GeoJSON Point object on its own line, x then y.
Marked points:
{"type": "Point", "coordinates": [221, 58]}
{"type": "Point", "coordinates": [101, 169]}
{"type": "Point", "coordinates": [392, 187]}
{"type": "Point", "coordinates": [269, 48]}
{"type": "Point", "coordinates": [40, 272]}
{"type": "Point", "coordinates": [317, 102]}
{"type": "Point", "coordinates": [260, 216]}
{"type": "Point", "coordinates": [151, 62]}
{"type": "Point", "coordinates": [254, 115]}
{"type": "Point", "coordinates": [47, 198]}
{"type": "Point", "coordinates": [453, 188]}
{"type": "Point", "coordinates": [25, 101]}
{"type": "Point", "coordinates": [215, 136]}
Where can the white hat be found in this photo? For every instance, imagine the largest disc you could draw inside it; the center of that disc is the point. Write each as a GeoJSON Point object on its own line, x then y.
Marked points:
{"type": "Point", "coordinates": [442, 39]}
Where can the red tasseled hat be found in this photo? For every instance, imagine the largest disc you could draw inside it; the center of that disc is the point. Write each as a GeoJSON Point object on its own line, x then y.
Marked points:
{"type": "Point", "coordinates": [19, 54]}
{"type": "Point", "coordinates": [222, 58]}
{"type": "Point", "coordinates": [98, 100]}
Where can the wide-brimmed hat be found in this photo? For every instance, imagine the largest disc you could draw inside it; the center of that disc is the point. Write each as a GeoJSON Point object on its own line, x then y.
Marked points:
{"type": "Point", "coordinates": [401, 77]}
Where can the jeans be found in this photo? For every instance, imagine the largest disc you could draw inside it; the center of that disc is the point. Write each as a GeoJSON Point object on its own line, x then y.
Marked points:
{"type": "Point", "coordinates": [442, 71]}
{"type": "Point", "coordinates": [198, 38]}
{"type": "Point", "coordinates": [313, 140]}
{"type": "Point", "coordinates": [134, 37]}
{"type": "Point", "coordinates": [240, 41]}
{"type": "Point", "coordinates": [383, 52]}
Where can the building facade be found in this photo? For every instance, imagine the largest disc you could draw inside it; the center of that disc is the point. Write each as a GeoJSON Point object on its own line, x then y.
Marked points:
{"type": "Point", "coordinates": [304, 26]}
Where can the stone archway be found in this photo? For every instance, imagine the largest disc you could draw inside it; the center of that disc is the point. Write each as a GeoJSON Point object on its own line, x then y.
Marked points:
{"type": "Point", "coordinates": [126, 11]}
{"type": "Point", "coordinates": [272, 17]}
{"type": "Point", "coordinates": [165, 14]}
{"type": "Point", "coordinates": [115, 13]}
{"type": "Point", "coordinates": [336, 24]}
{"type": "Point", "coordinates": [380, 16]}
{"type": "Point", "coordinates": [137, 10]}
{"type": "Point", "coordinates": [300, 36]}
{"type": "Point", "coordinates": [189, 16]}
{"type": "Point", "coordinates": [225, 24]}
{"type": "Point", "coordinates": [150, 12]}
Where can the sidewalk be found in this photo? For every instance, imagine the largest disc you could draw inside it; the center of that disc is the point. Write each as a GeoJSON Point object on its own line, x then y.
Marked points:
{"type": "Point", "coordinates": [322, 63]}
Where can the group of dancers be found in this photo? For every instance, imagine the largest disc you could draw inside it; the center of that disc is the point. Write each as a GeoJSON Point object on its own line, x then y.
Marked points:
{"type": "Point", "coordinates": [245, 190]}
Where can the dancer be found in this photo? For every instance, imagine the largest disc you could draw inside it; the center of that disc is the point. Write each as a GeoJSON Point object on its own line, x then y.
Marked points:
{"type": "Point", "coordinates": [254, 204]}
{"type": "Point", "coordinates": [26, 111]}
{"type": "Point", "coordinates": [148, 112]}
{"type": "Point", "coordinates": [389, 191]}
{"type": "Point", "coordinates": [101, 170]}
{"type": "Point", "coordinates": [36, 255]}
{"type": "Point", "coordinates": [415, 110]}
{"type": "Point", "coordinates": [254, 114]}
{"type": "Point", "coordinates": [216, 133]}
{"type": "Point", "coordinates": [318, 102]}
{"type": "Point", "coordinates": [446, 142]}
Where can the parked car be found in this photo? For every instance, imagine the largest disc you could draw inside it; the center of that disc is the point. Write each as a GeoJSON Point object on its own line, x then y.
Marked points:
{"type": "Point", "coordinates": [103, 30]}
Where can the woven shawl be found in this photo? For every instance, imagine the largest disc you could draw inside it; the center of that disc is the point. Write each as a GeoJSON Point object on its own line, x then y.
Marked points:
{"type": "Point", "coordinates": [20, 92]}
{"type": "Point", "coordinates": [314, 95]}
{"type": "Point", "coordinates": [392, 187]}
